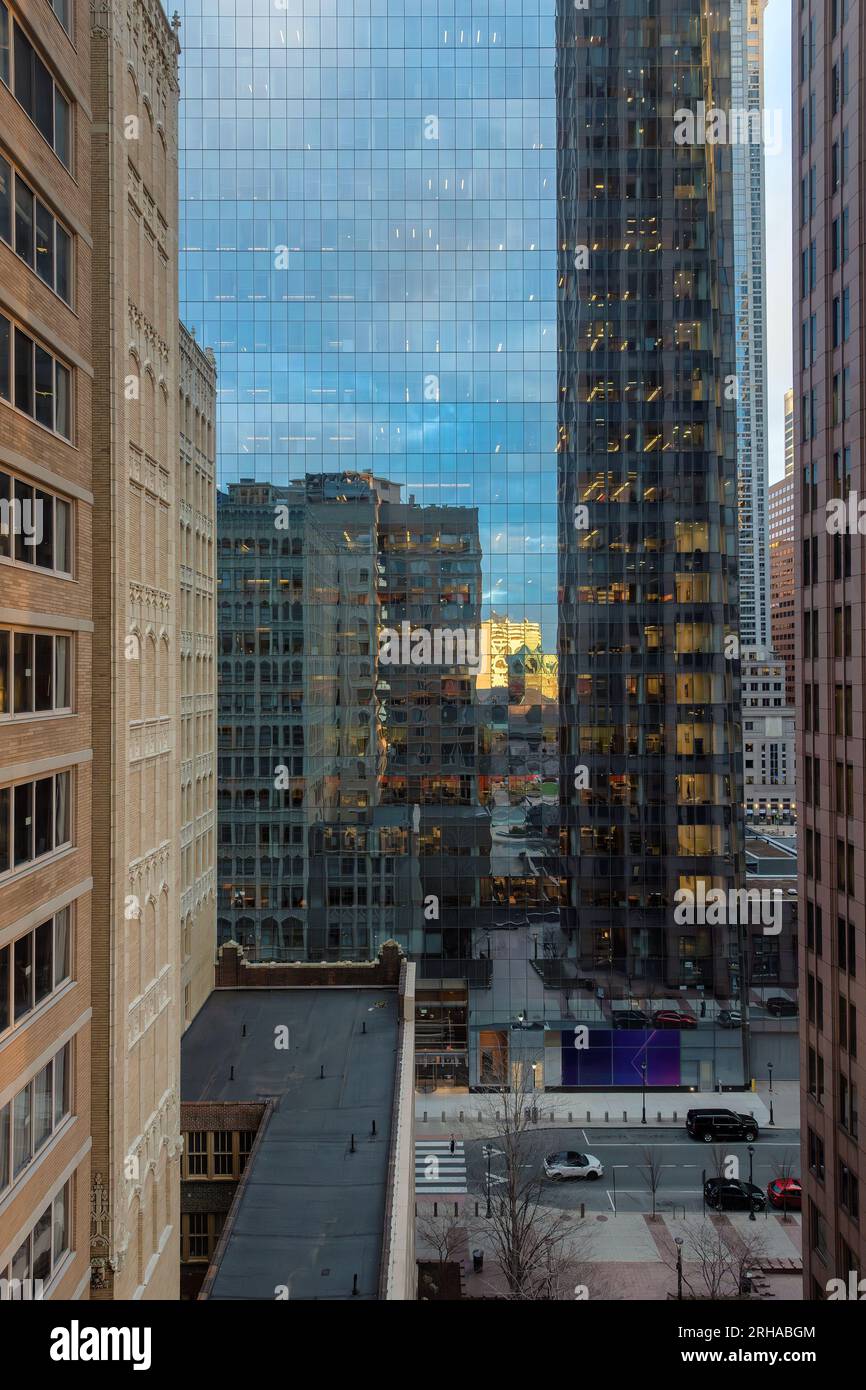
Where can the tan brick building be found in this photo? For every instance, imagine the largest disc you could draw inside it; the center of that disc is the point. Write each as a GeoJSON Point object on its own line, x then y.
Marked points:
{"type": "Point", "coordinates": [197, 581]}
{"type": "Point", "coordinates": [136, 948]}
{"type": "Point", "coordinates": [46, 376]}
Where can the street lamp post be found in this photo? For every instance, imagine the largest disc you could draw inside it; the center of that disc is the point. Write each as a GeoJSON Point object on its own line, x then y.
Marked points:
{"type": "Point", "coordinates": [489, 1157]}
{"type": "Point", "coordinates": [678, 1241]}
{"type": "Point", "coordinates": [752, 1216]}
{"type": "Point", "coordinates": [643, 1091]}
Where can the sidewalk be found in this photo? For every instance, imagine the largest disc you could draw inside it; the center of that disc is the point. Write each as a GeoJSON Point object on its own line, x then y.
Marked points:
{"type": "Point", "coordinates": [477, 1111]}
{"type": "Point", "coordinates": [632, 1256]}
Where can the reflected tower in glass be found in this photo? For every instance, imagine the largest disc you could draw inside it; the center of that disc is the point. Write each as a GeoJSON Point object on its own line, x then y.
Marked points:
{"type": "Point", "coordinates": [368, 242]}
{"type": "Point", "coordinates": [649, 671]}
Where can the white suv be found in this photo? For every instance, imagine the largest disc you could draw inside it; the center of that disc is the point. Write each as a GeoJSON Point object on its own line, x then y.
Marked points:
{"type": "Point", "coordinates": [573, 1165]}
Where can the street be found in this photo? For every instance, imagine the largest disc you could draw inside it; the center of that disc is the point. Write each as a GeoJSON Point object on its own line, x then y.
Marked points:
{"type": "Point", "coordinates": [625, 1187]}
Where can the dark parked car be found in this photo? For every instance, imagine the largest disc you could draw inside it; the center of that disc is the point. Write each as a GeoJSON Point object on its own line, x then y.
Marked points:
{"type": "Point", "coordinates": [671, 1018]}
{"type": "Point", "coordinates": [729, 1018]}
{"type": "Point", "coordinates": [781, 1007]}
{"type": "Point", "coordinates": [710, 1125]}
{"type": "Point", "coordinates": [785, 1194]}
{"type": "Point", "coordinates": [730, 1194]}
{"type": "Point", "coordinates": [630, 1018]}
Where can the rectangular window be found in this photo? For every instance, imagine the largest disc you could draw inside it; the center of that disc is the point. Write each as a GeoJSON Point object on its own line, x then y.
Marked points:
{"type": "Point", "coordinates": [35, 88]}
{"type": "Point", "coordinates": [34, 233]}
{"type": "Point", "coordinates": [62, 8]}
{"type": "Point", "coordinates": [5, 55]}
{"type": "Point", "coordinates": [38, 819]}
{"type": "Point", "coordinates": [34, 673]}
{"type": "Point", "coordinates": [42, 384]}
{"type": "Point", "coordinates": [196, 1154]}
{"type": "Point", "coordinates": [35, 526]}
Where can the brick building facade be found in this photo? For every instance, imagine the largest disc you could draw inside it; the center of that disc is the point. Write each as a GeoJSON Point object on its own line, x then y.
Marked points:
{"type": "Point", "coordinates": [829, 58]}
{"type": "Point", "coordinates": [137, 966]}
{"type": "Point", "coordinates": [46, 377]}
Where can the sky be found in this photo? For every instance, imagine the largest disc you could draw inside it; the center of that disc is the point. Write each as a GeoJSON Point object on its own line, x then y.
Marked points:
{"type": "Point", "coordinates": [777, 96]}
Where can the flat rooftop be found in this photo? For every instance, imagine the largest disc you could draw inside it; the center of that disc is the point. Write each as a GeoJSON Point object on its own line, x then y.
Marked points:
{"type": "Point", "coordinates": [310, 1214]}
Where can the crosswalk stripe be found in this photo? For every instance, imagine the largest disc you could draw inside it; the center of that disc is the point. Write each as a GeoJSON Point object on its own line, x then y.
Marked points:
{"type": "Point", "coordinates": [448, 1177]}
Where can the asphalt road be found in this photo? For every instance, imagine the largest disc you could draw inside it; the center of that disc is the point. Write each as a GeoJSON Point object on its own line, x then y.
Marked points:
{"type": "Point", "coordinates": [624, 1186]}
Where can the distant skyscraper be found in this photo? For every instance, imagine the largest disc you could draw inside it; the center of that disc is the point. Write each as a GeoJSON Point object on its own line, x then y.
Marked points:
{"type": "Point", "coordinates": [829, 72]}
{"type": "Point", "coordinates": [377, 275]}
{"type": "Point", "coordinates": [500, 637]}
{"type": "Point", "coordinates": [768, 738]}
{"type": "Point", "coordinates": [747, 82]}
{"type": "Point", "coordinates": [651, 774]}
{"type": "Point", "coordinates": [782, 601]}
{"type": "Point", "coordinates": [789, 433]}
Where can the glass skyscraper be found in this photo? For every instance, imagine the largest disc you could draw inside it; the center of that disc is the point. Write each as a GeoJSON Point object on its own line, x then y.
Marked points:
{"type": "Point", "coordinates": [381, 202]}
{"type": "Point", "coordinates": [649, 669]}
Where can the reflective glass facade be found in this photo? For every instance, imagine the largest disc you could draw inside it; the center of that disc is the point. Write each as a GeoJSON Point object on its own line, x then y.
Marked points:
{"type": "Point", "coordinates": [649, 668]}
{"type": "Point", "coordinates": [380, 205]}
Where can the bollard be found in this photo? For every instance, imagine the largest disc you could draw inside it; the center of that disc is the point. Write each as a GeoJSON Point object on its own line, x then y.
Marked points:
{"type": "Point", "coordinates": [435, 1208]}
{"type": "Point", "coordinates": [659, 1117]}
{"type": "Point", "coordinates": [456, 1209]}
{"type": "Point", "coordinates": [322, 1072]}
{"type": "Point", "coordinates": [605, 1117]}
{"type": "Point", "coordinates": [443, 1117]}
{"type": "Point", "coordinates": [231, 1073]}
{"type": "Point", "coordinates": [625, 1116]}
{"type": "Point", "coordinates": [425, 1117]}
{"type": "Point", "coordinates": [583, 1208]}
{"type": "Point", "coordinates": [675, 1117]}
{"type": "Point", "coordinates": [352, 1145]}
{"type": "Point", "coordinates": [570, 1121]}
{"type": "Point", "coordinates": [354, 1284]}
{"type": "Point", "coordinates": [461, 1116]}
{"type": "Point", "coordinates": [588, 1118]}
{"type": "Point", "coordinates": [373, 1130]}
{"type": "Point", "coordinates": [244, 1031]}
{"type": "Point", "coordinates": [363, 1025]}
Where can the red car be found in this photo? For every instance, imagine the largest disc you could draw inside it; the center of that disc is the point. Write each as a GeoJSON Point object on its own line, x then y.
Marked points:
{"type": "Point", "coordinates": [669, 1018]}
{"type": "Point", "coordinates": [785, 1194]}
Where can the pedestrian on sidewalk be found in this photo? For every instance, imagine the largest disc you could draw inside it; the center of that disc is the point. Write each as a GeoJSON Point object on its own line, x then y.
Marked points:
{"type": "Point", "coordinates": [452, 1143]}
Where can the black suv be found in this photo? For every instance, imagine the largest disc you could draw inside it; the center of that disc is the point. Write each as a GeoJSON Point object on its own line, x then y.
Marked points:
{"type": "Point", "coordinates": [629, 1018]}
{"type": "Point", "coordinates": [729, 1194]}
{"type": "Point", "coordinates": [781, 1007]}
{"type": "Point", "coordinates": [721, 1124]}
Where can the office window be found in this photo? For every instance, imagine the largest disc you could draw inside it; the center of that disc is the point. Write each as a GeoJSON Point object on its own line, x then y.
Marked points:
{"type": "Point", "coordinates": [34, 673]}
{"type": "Point", "coordinates": [35, 88]}
{"type": "Point", "coordinates": [34, 233]}
{"type": "Point", "coordinates": [37, 819]}
{"type": "Point", "coordinates": [34, 380]}
{"type": "Point", "coordinates": [35, 526]}
{"type": "Point", "coordinates": [33, 967]}
{"type": "Point", "coordinates": [63, 10]}
{"type": "Point", "coordinates": [28, 1121]}
{"type": "Point", "coordinates": [42, 1250]}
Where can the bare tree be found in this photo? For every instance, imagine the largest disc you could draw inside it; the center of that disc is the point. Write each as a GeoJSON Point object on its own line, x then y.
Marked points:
{"type": "Point", "coordinates": [528, 1237]}
{"type": "Point", "coordinates": [442, 1232]}
{"type": "Point", "coordinates": [652, 1174]}
{"type": "Point", "coordinates": [721, 1268]}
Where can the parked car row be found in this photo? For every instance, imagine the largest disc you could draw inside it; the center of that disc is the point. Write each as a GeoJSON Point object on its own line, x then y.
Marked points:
{"type": "Point", "coordinates": [721, 1194]}
{"type": "Point", "coordinates": [665, 1018]}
